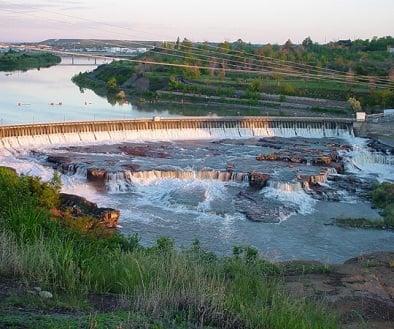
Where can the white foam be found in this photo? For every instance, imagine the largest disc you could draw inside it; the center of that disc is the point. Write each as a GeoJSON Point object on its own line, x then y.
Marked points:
{"type": "Point", "coordinates": [180, 195]}
{"type": "Point", "coordinates": [104, 137]}
{"type": "Point", "coordinates": [290, 193]}
{"type": "Point", "coordinates": [364, 162]}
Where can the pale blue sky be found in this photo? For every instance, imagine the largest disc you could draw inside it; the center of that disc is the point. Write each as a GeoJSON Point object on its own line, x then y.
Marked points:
{"type": "Point", "coordinates": [258, 21]}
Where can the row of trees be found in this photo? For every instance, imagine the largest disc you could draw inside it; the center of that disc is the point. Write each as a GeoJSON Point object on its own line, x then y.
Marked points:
{"type": "Point", "coordinates": [364, 57]}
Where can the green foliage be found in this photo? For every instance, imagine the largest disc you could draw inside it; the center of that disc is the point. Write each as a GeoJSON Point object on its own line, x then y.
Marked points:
{"type": "Point", "coordinates": [13, 61]}
{"type": "Point", "coordinates": [365, 57]}
{"type": "Point", "coordinates": [192, 72]}
{"type": "Point", "coordinates": [288, 89]}
{"type": "Point", "coordinates": [256, 85]}
{"type": "Point", "coordinates": [383, 195]}
{"type": "Point", "coordinates": [112, 85]}
{"type": "Point", "coordinates": [354, 104]}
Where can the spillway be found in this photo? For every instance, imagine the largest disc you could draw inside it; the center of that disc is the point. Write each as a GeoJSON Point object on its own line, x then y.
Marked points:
{"type": "Point", "coordinates": [72, 133]}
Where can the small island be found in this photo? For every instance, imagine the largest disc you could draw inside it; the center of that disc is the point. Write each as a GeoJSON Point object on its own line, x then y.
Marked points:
{"type": "Point", "coordinates": [23, 61]}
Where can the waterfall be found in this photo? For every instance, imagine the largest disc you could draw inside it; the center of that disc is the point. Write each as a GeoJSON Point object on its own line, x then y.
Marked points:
{"type": "Point", "coordinates": [16, 137]}
{"type": "Point", "coordinates": [126, 180]}
{"type": "Point", "coordinates": [364, 161]}
{"type": "Point", "coordinates": [364, 157]}
{"type": "Point", "coordinates": [287, 187]}
{"type": "Point", "coordinates": [290, 193]}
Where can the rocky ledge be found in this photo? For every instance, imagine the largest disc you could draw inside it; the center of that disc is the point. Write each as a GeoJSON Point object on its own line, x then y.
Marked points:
{"type": "Point", "coordinates": [361, 290]}
{"type": "Point", "coordinates": [331, 159]}
{"type": "Point", "coordinates": [78, 207]}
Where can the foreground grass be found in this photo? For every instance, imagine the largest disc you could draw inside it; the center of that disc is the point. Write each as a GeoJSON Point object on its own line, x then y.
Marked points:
{"type": "Point", "coordinates": [192, 287]}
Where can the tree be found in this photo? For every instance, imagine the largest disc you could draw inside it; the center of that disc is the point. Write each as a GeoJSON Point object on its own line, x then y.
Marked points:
{"type": "Point", "coordinates": [225, 47]}
{"type": "Point", "coordinates": [112, 85]}
{"type": "Point", "coordinates": [267, 50]}
{"type": "Point", "coordinates": [307, 43]}
{"type": "Point", "coordinates": [354, 104]}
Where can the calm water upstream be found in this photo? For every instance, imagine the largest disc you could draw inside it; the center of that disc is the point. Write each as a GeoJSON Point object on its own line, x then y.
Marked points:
{"type": "Point", "coordinates": [35, 90]}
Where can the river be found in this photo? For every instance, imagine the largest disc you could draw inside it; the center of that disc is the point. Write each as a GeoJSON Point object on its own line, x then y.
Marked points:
{"type": "Point", "coordinates": [34, 96]}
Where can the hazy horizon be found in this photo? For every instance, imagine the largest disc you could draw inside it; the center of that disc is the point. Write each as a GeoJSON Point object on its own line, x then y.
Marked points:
{"type": "Point", "coordinates": [253, 21]}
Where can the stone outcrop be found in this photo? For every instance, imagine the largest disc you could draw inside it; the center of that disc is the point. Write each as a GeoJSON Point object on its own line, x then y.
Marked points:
{"type": "Point", "coordinates": [256, 208]}
{"type": "Point", "coordinates": [96, 175]}
{"type": "Point", "coordinates": [380, 147]}
{"type": "Point", "coordinates": [143, 151]}
{"type": "Point", "coordinates": [258, 180]}
{"type": "Point", "coordinates": [80, 207]}
{"type": "Point", "coordinates": [361, 290]}
{"type": "Point", "coordinates": [332, 159]}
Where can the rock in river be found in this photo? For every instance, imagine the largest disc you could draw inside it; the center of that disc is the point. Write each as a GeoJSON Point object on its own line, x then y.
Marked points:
{"type": "Point", "coordinates": [80, 207]}
{"type": "Point", "coordinates": [258, 180]}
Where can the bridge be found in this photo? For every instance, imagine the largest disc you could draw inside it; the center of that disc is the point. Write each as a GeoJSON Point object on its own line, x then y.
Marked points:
{"type": "Point", "coordinates": [157, 128]}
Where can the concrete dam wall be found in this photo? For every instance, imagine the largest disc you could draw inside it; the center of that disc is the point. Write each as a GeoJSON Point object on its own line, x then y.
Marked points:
{"type": "Point", "coordinates": [46, 134]}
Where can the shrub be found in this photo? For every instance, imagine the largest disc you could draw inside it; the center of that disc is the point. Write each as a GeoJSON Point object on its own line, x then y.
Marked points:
{"type": "Point", "coordinates": [287, 89]}
{"type": "Point", "coordinates": [354, 104]}
{"type": "Point", "coordinates": [383, 195]}
{"type": "Point", "coordinates": [112, 85]}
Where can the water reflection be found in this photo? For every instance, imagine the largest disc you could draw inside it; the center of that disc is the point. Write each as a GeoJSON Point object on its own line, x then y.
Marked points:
{"type": "Point", "coordinates": [49, 95]}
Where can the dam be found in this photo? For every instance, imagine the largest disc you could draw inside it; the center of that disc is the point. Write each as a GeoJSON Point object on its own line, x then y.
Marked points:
{"type": "Point", "coordinates": [46, 134]}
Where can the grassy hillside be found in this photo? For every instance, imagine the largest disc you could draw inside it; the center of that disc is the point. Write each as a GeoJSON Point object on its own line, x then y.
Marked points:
{"type": "Point", "coordinates": [122, 80]}
{"type": "Point", "coordinates": [139, 287]}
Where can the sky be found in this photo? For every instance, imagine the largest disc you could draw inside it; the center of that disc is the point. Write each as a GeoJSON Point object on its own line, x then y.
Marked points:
{"type": "Point", "coordinates": [257, 21]}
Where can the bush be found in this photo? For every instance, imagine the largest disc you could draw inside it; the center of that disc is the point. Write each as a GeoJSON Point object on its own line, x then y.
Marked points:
{"type": "Point", "coordinates": [383, 195]}
{"type": "Point", "coordinates": [288, 89]}
{"type": "Point", "coordinates": [354, 104]}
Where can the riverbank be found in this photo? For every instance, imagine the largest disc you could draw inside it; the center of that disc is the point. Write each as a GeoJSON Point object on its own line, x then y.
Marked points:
{"type": "Point", "coordinates": [358, 291]}
{"type": "Point", "coordinates": [23, 61]}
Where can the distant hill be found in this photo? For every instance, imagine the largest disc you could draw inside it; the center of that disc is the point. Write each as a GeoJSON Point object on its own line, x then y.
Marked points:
{"type": "Point", "coordinates": [88, 43]}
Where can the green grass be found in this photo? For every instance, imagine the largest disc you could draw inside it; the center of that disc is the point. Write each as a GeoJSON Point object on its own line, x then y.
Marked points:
{"type": "Point", "coordinates": [160, 282]}
{"type": "Point", "coordinates": [118, 319]}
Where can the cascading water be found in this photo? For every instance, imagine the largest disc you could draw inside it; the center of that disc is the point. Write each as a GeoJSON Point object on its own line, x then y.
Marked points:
{"type": "Point", "coordinates": [290, 192]}
{"type": "Point", "coordinates": [125, 181]}
{"type": "Point", "coordinates": [366, 162]}
{"type": "Point", "coordinates": [176, 131]}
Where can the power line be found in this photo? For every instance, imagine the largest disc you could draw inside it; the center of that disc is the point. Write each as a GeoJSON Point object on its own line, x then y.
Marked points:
{"type": "Point", "coordinates": [281, 71]}
{"type": "Point", "coordinates": [234, 50]}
